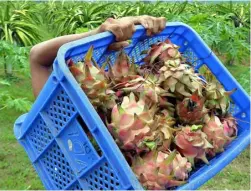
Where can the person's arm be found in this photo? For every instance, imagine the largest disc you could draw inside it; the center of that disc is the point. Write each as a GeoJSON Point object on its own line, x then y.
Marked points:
{"type": "Point", "coordinates": [42, 55]}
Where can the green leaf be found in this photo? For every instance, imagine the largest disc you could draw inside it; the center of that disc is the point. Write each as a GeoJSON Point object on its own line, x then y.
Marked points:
{"type": "Point", "coordinates": [170, 157]}
{"type": "Point", "coordinates": [81, 30]}
{"type": "Point", "coordinates": [19, 104]}
{"type": "Point", "coordinates": [150, 144]}
{"type": "Point", "coordinates": [196, 127]}
{"type": "Point", "coordinates": [199, 18]}
{"type": "Point", "coordinates": [4, 82]}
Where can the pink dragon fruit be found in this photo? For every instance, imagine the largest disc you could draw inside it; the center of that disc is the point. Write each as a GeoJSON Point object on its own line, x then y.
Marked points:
{"type": "Point", "coordinates": [148, 87]}
{"type": "Point", "coordinates": [229, 126]}
{"type": "Point", "coordinates": [131, 122]}
{"type": "Point", "coordinates": [122, 71]}
{"type": "Point", "coordinates": [218, 134]}
{"type": "Point", "coordinates": [161, 132]}
{"type": "Point", "coordinates": [192, 110]}
{"type": "Point", "coordinates": [93, 81]}
{"type": "Point", "coordinates": [165, 61]}
{"type": "Point", "coordinates": [192, 143]}
{"type": "Point", "coordinates": [163, 51]}
{"type": "Point", "coordinates": [158, 170]}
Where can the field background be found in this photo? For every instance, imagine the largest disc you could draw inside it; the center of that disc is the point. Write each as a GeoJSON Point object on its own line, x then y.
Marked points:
{"type": "Point", "coordinates": [224, 27]}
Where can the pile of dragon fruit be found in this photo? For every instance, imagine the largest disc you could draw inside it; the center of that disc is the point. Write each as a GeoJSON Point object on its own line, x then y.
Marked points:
{"type": "Point", "coordinates": [163, 116]}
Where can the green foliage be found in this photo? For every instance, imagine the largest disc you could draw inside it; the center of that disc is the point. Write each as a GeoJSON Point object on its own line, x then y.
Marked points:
{"type": "Point", "coordinates": [147, 9]}
{"type": "Point", "coordinates": [69, 17]}
{"type": "Point", "coordinates": [120, 10]}
{"type": "Point", "coordinates": [222, 36]}
{"type": "Point", "coordinates": [81, 30]}
{"type": "Point", "coordinates": [4, 82]}
{"type": "Point", "coordinates": [242, 75]}
{"type": "Point", "coordinates": [238, 13]}
{"type": "Point", "coordinates": [10, 102]}
{"type": "Point", "coordinates": [15, 26]}
{"type": "Point", "coordinates": [14, 58]}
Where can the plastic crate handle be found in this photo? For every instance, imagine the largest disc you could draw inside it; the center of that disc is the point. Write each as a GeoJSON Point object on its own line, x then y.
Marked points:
{"type": "Point", "coordinates": [18, 125]}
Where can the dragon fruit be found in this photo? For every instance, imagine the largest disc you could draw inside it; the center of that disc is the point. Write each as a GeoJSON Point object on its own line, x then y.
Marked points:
{"type": "Point", "coordinates": [162, 132]}
{"type": "Point", "coordinates": [122, 71]}
{"type": "Point", "coordinates": [217, 97]}
{"type": "Point", "coordinates": [174, 75]}
{"type": "Point", "coordinates": [218, 134]}
{"type": "Point", "coordinates": [152, 92]}
{"type": "Point", "coordinates": [131, 122]}
{"type": "Point", "coordinates": [125, 79]}
{"type": "Point", "coordinates": [93, 81]}
{"type": "Point", "coordinates": [159, 170]}
{"type": "Point", "coordinates": [191, 110]}
{"type": "Point", "coordinates": [229, 126]}
{"type": "Point", "coordinates": [180, 79]}
{"type": "Point", "coordinates": [192, 143]}
{"type": "Point", "coordinates": [162, 52]}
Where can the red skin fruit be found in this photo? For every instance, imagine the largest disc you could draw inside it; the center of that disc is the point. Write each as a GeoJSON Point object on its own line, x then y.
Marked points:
{"type": "Point", "coordinates": [193, 115]}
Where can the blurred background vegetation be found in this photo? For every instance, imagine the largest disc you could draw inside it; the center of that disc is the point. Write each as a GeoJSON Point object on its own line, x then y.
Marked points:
{"type": "Point", "coordinates": [225, 27]}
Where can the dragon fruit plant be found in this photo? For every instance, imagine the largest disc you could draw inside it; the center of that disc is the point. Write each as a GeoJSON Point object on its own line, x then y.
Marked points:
{"type": "Point", "coordinates": [162, 115]}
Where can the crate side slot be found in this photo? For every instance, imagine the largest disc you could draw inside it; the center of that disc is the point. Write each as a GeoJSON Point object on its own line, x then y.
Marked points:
{"type": "Point", "coordinates": [59, 110]}
{"type": "Point", "coordinates": [77, 147]}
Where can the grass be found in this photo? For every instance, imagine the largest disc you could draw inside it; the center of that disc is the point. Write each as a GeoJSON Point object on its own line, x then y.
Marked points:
{"type": "Point", "coordinates": [17, 173]}
{"type": "Point", "coordinates": [242, 74]}
{"type": "Point", "coordinates": [235, 176]}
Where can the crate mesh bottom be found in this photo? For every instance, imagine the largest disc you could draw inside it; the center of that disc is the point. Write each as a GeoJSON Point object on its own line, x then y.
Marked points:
{"type": "Point", "coordinates": [76, 186]}
{"type": "Point", "coordinates": [102, 178]}
{"type": "Point", "coordinates": [234, 109]}
{"type": "Point", "coordinates": [57, 167]}
{"type": "Point", "coordinates": [40, 135]}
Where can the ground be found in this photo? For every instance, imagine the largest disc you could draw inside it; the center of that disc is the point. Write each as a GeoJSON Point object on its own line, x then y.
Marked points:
{"type": "Point", "coordinates": [17, 173]}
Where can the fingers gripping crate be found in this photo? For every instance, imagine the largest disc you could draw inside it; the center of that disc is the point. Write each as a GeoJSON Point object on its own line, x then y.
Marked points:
{"type": "Point", "coordinates": [55, 132]}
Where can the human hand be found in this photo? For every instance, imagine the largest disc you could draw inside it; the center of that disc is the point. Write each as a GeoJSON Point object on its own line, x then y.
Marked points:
{"type": "Point", "coordinates": [124, 28]}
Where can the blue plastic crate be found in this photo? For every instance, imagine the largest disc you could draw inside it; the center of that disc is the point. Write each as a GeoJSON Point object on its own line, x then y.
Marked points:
{"type": "Point", "coordinates": [57, 144]}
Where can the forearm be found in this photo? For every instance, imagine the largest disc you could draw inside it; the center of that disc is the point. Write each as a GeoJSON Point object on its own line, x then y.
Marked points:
{"type": "Point", "coordinates": [47, 51]}
{"type": "Point", "coordinates": [39, 76]}
{"type": "Point", "coordinates": [42, 56]}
